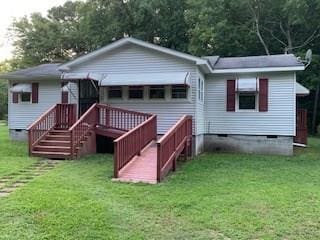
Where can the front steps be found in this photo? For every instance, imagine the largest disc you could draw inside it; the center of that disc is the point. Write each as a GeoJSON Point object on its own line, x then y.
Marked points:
{"type": "Point", "coordinates": [55, 145]}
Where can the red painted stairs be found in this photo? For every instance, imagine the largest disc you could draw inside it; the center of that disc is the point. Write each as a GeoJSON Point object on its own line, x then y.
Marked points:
{"type": "Point", "coordinates": [56, 144]}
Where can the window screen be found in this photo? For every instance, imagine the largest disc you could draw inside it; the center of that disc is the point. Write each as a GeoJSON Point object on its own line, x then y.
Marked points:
{"type": "Point", "coordinates": [179, 91]}
{"type": "Point", "coordinates": [25, 97]}
{"type": "Point", "coordinates": [247, 101]}
{"type": "Point", "coordinates": [115, 92]}
{"type": "Point", "coordinates": [157, 92]}
{"type": "Point", "coordinates": [136, 92]}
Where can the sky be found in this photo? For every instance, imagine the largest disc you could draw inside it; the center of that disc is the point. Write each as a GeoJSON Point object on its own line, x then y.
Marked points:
{"type": "Point", "coordinates": [15, 9]}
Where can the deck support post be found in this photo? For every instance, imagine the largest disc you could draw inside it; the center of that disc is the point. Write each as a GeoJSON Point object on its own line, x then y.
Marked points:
{"type": "Point", "coordinates": [159, 156]}
{"type": "Point", "coordinates": [115, 162]}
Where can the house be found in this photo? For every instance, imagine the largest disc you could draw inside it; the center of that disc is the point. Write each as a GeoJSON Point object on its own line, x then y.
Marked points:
{"type": "Point", "coordinates": [246, 104]}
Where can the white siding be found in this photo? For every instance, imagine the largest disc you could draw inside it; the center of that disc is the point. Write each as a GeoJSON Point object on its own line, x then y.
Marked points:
{"type": "Point", "coordinates": [134, 59]}
{"type": "Point", "coordinates": [21, 115]}
{"type": "Point", "coordinates": [279, 120]}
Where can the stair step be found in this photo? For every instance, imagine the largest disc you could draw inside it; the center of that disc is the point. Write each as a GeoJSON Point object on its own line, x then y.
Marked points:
{"type": "Point", "coordinates": [55, 143]}
{"type": "Point", "coordinates": [51, 155]}
{"type": "Point", "coordinates": [52, 148]}
{"type": "Point", "coordinates": [57, 137]}
{"type": "Point", "coordinates": [60, 132]}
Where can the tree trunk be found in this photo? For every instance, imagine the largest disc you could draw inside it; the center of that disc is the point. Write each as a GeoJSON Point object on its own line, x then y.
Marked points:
{"type": "Point", "coordinates": [315, 110]}
{"type": "Point", "coordinates": [266, 49]}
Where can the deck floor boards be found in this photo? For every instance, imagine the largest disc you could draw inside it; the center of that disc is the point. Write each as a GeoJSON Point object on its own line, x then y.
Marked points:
{"type": "Point", "coordinates": [142, 168]}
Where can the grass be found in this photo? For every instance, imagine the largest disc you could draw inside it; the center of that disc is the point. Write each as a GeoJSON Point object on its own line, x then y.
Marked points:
{"type": "Point", "coordinates": [216, 196]}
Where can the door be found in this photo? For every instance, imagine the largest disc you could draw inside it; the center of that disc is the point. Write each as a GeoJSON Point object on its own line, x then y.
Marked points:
{"type": "Point", "coordinates": [88, 95]}
{"type": "Point", "coordinates": [301, 127]}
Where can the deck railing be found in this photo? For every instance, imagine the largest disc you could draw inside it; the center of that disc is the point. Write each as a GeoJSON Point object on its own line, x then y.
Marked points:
{"type": "Point", "coordinates": [172, 144]}
{"type": "Point", "coordinates": [79, 130]}
{"type": "Point", "coordinates": [59, 115]}
{"type": "Point", "coordinates": [132, 143]}
{"type": "Point", "coordinates": [66, 115]}
{"type": "Point", "coordinates": [120, 119]}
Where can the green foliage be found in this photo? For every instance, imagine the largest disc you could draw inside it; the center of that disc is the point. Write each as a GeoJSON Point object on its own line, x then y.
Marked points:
{"type": "Point", "coordinates": [199, 27]}
{"type": "Point", "coordinates": [216, 196]}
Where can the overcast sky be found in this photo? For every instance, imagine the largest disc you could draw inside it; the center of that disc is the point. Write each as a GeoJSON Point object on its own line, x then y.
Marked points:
{"type": "Point", "coordinates": [18, 8]}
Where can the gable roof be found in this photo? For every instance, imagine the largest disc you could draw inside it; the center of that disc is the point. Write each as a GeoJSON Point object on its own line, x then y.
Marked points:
{"type": "Point", "coordinates": [43, 71]}
{"type": "Point", "coordinates": [284, 62]}
{"type": "Point", "coordinates": [127, 40]}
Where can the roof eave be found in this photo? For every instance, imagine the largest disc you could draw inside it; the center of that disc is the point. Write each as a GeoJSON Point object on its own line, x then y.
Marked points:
{"type": "Point", "coordinates": [27, 78]}
{"type": "Point", "coordinates": [265, 69]}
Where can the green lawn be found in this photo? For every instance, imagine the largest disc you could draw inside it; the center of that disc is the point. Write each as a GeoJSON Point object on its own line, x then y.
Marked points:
{"type": "Point", "coordinates": [216, 196]}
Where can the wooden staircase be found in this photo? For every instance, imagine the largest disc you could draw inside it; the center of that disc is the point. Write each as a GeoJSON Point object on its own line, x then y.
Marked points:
{"type": "Point", "coordinates": [56, 144]}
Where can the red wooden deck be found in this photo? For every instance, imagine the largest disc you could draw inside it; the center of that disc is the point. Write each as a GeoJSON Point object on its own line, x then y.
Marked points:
{"type": "Point", "coordinates": [141, 168]}
{"type": "Point", "coordinates": [138, 157]}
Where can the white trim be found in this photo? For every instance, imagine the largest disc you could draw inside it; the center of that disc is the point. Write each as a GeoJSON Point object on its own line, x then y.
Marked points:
{"type": "Point", "coordinates": [247, 110]}
{"type": "Point", "coordinates": [199, 61]}
{"type": "Point", "coordinates": [266, 69]}
{"type": "Point", "coordinates": [301, 90]}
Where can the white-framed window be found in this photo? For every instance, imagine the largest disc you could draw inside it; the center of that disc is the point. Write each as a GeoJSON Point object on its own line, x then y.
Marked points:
{"type": "Point", "coordinates": [136, 92]}
{"type": "Point", "coordinates": [200, 90]}
{"type": "Point", "coordinates": [25, 97]}
{"type": "Point", "coordinates": [157, 92]}
{"type": "Point", "coordinates": [115, 92]}
{"type": "Point", "coordinates": [247, 94]}
{"type": "Point", "coordinates": [179, 92]}
{"type": "Point", "coordinates": [247, 101]}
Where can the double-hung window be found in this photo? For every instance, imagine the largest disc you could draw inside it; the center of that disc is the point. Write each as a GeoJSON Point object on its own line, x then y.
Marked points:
{"type": "Point", "coordinates": [247, 94]}
{"type": "Point", "coordinates": [25, 97]}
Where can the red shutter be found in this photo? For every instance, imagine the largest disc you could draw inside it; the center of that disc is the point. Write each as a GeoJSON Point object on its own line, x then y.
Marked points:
{"type": "Point", "coordinates": [231, 95]}
{"type": "Point", "coordinates": [35, 93]}
{"type": "Point", "coordinates": [64, 97]}
{"type": "Point", "coordinates": [263, 95]}
{"type": "Point", "coordinates": [15, 96]}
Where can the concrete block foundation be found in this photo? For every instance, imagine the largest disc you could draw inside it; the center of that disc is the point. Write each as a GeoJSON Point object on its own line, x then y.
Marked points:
{"type": "Point", "coordinates": [273, 145]}
{"type": "Point", "coordinates": [18, 134]}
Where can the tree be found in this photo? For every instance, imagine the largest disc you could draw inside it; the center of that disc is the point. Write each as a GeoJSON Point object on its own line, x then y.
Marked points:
{"type": "Point", "coordinates": [56, 37]}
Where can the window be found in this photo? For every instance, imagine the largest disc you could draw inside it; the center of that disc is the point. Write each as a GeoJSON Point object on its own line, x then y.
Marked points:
{"type": "Point", "coordinates": [200, 89]}
{"type": "Point", "coordinates": [25, 97]}
{"type": "Point", "coordinates": [157, 92]}
{"type": "Point", "coordinates": [247, 101]}
{"type": "Point", "coordinates": [179, 91]}
{"type": "Point", "coordinates": [115, 92]}
{"type": "Point", "coordinates": [136, 92]}
{"type": "Point", "coordinates": [247, 92]}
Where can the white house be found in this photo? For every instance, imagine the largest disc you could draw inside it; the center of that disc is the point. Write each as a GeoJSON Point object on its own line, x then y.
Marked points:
{"type": "Point", "coordinates": [243, 104]}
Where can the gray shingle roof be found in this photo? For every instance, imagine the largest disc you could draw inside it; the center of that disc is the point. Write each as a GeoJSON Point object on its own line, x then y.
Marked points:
{"type": "Point", "coordinates": [212, 60]}
{"type": "Point", "coordinates": [283, 60]}
{"type": "Point", "coordinates": [43, 71]}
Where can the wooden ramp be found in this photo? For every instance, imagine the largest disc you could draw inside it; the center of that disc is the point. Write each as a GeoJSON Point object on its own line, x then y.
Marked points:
{"type": "Point", "coordinates": [139, 157]}
{"type": "Point", "coordinates": [141, 168]}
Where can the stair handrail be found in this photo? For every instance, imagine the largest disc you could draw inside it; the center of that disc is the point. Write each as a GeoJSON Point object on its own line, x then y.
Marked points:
{"type": "Point", "coordinates": [132, 143]}
{"type": "Point", "coordinates": [39, 128]}
{"type": "Point", "coordinates": [171, 145]}
{"type": "Point", "coordinates": [81, 128]}
{"type": "Point", "coordinates": [50, 119]}
{"type": "Point", "coordinates": [32, 125]}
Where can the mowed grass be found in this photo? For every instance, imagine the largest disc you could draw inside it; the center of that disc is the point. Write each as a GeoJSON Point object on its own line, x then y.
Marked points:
{"type": "Point", "coordinates": [215, 196]}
